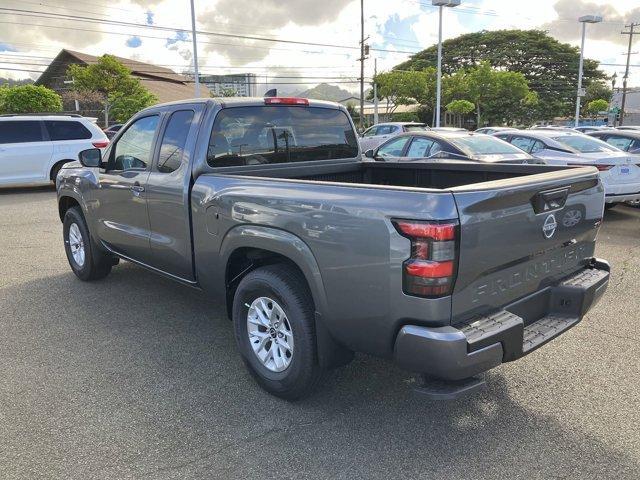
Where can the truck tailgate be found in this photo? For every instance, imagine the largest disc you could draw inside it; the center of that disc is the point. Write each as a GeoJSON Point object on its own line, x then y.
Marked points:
{"type": "Point", "coordinates": [522, 234]}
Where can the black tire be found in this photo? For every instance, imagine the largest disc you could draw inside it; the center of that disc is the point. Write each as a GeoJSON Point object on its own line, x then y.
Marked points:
{"type": "Point", "coordinates": [97, 264]}
{"type": "Point", "coordinates": [54, 171]}
{"type": "Point", "coordinates": [288, 288]}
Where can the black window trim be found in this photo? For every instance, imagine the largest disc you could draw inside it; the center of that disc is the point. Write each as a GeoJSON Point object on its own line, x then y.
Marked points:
{"type": "Point", "coordinates": [162, 128]}
{"type": "Point", "coordinates": [154, 150]}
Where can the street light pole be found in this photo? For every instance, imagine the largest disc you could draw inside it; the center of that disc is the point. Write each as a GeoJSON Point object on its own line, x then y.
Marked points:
{"type": "Point", "coordinates": [195, 50]}
{"type": "Point", "coordinates": [440, 4]}
{"type": "Point", "coordinates": [584, 20]}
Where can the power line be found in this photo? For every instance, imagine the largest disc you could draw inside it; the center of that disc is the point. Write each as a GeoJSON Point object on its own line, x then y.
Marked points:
{"type": "Point", "coordinates": [40, 14]}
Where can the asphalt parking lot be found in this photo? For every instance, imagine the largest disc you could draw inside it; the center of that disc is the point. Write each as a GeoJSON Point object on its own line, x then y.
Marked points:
{"type": "Point", "coordinates": [137, 377]}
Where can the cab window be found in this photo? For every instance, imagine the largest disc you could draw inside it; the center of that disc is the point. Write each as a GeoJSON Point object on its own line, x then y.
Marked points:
{"type": "Point", "coordinates": [133, 150]}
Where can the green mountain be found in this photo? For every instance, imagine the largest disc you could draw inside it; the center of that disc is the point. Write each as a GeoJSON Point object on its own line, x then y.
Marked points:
{"type": "Point", "coordinates": [324, 91]}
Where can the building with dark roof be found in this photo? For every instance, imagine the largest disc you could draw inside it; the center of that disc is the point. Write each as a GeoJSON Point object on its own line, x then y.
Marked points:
{"type": "Point", "coordinates": [164, 83]}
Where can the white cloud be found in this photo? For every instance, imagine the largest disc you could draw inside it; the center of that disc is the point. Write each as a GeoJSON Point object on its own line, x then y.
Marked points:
{"type": "Point", "coordinates": [333, 22]}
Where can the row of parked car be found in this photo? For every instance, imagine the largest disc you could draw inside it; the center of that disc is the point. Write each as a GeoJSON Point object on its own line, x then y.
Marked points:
{"type": "Point", "coordinates": [614, 152]}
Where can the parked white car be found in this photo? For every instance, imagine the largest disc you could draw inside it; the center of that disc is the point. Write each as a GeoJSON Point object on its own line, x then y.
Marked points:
{"type": "Point", "coordinates": [33, 148]}
{"type": "Point", "coordinates": [381, 132]}
{"type": "Point", "coordinates": [619, 171]}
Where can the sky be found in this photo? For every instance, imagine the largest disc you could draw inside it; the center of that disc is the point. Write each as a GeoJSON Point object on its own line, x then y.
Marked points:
{"type": "Point", "coordinates": [157, 31]}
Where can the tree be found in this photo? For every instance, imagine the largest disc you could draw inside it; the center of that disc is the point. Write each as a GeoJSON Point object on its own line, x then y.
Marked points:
{"type": "Point", "coordinates": [224, 92]}
{"type": "Point", "coordinates": [498, 95]}
{"type": "Point", "coordinates": [406, 88]}
{"type": "Point", "coordinates": [596, 106]}
{"type": "Point", "coordinates": [596, 91]}
{"type": "Point", "coordinates": [550, 67]}
{"type": "Point", "coordinates": [351, 108]}
{"type": "Point", "coordinates": [123, 106]}
{"type": "Point", "coordinates": [460, 108]}
{"type": "Point", "coordinates": [29, 99]}
{"type": "Point", "coordinates": [121, 92]}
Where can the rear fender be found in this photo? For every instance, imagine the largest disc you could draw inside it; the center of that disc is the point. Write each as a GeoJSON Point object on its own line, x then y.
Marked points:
{"type": "Point", "coordinates": [283, 243]}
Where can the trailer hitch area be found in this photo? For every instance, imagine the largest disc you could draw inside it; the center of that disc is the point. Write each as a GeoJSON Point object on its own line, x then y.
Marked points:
{"type": "Point", "coordinates": [438, 389]}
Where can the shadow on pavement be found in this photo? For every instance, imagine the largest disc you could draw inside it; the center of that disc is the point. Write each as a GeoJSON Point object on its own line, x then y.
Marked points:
{"type": "Point", "coordinates": [29, 190]}
{"type": "Point", "coordinates": [137, 376]}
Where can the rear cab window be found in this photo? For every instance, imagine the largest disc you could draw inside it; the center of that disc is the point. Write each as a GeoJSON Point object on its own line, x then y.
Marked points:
{"type": "Point", "coordinates": [256, 135]}
{"type": "Point", "coordinates": [66, 130]}
{"type": "Point", "coordinates": [21, 131]}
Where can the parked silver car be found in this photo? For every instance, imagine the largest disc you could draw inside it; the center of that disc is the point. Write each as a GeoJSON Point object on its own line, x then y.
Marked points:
{"type": "Point", "coordinates": [592, 128]}
{"type": "Point", "coordinates": [625, 140]}
{"type": "Point", "coordinates": [619, 171]}
{"type": "Point", "coordinates": [381, 132]}
{"type": "Point", "coordinates": [490, 130]}
{"type": "Point", "coordinates": [437, 146]}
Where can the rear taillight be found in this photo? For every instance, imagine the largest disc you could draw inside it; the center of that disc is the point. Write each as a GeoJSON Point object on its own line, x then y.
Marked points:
{"type": "Point", "coordinates": [286, 101]}
{"type": "Point", "coordinates": [100, 143]}
{"type": "Point", "coordinates": [431, 269]}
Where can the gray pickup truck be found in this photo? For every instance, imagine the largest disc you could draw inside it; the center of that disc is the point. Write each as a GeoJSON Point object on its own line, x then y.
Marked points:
{"type": "Point", "coordinates": [448, 269]}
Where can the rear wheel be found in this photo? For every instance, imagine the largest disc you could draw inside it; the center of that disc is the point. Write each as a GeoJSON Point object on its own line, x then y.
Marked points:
{"type": "Point", "coordinates": [85, 259]}
{"type": "Point", "coordinates": [273, 317]}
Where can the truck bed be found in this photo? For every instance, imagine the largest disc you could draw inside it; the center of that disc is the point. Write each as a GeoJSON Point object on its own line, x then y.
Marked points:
{"type": "Point", "coordinates": [442, 175]}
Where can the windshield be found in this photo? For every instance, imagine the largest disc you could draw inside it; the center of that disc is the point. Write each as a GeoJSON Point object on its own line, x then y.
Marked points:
{"type": "Point", "coordinates": [280, 134]}
{"type": "Point", "coordinates": [484, 145]}
{"type": "Point", "coordinates": [415, 128]}
{"type": "Point", "coordinates": [584, 144]}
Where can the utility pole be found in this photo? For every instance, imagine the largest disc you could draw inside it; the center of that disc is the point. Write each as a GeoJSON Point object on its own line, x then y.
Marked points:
{"type": "Point", "coordinates": [626, 71]}
{"type": "Point", "coordinates": [375, 91]}
{"type": "Point", "coordinates": [195, 50]}
{"type": "Point", "coordinates": [361, 119]}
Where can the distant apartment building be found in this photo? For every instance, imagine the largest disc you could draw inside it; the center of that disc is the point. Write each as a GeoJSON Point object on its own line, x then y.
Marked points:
{"type": "Point", "coordinates": [237, 85]}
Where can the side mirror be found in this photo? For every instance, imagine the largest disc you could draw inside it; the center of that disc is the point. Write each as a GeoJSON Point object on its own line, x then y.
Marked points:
{"type": "Point", "coordinates": [370, 153]}
{"type": "Point", "coordinates": [92, 157]}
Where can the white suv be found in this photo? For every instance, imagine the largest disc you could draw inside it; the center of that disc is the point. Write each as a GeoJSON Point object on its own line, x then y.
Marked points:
{"type": "Point", "coordinates": [33, 148]}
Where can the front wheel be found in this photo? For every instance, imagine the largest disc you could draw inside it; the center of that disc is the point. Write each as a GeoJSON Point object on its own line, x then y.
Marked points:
{"type": "Point", "coordinates": [273, 317]}
{"type": "Point", "coordinates": [86, 261]}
